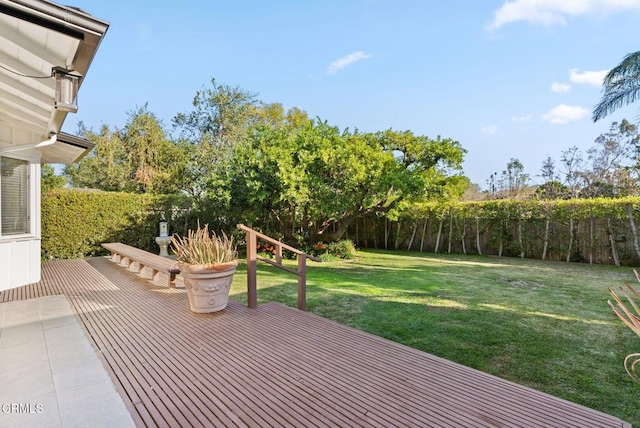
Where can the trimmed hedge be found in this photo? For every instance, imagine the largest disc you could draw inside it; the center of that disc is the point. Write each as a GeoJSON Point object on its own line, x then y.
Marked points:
{"type": "Point", "coordinates": [76, 222]}
{"type": "Point", "coordinates": [599, 230]}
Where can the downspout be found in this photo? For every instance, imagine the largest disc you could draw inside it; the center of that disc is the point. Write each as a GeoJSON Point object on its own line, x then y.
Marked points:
{"type": "Point", "coordinates": [50, 141]}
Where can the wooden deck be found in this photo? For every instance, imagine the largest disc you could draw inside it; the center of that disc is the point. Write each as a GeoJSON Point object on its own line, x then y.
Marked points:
{"type": "Point", "coordinates": [277, 366]}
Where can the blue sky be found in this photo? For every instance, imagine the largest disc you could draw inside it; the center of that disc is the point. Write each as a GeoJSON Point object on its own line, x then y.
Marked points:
{"type": "Point", "coordinates": [515, 79]}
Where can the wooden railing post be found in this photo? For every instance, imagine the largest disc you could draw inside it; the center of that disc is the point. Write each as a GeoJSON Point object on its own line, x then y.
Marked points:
{"type": "Point", "coordinates": [252, 278]}
{"type": "Point", "coordinates": [302, 282]}
{"type": "Point", "coordinates": [252, 259]}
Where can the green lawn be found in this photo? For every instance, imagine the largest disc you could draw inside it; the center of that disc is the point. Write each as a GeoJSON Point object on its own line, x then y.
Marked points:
{"type": "Point", "coordinates": [546, 325]}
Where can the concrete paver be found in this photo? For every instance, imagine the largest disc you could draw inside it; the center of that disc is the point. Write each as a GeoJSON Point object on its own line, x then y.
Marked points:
{"type": "Point", "coordinates": [50, 375]}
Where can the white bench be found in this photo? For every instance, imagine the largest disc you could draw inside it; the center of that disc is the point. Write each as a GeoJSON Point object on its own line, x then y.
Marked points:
{"type": "Point", "coordinates": [143, 262]}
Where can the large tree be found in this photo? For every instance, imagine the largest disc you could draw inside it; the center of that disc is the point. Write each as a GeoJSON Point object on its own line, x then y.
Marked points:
{"type": "Point", "coordinates": [219, 121]}
{"type": "Point", "coordinates": [514, 179]}
{"type": "Point", "coordinates": [138, 158]}
{"type": "Point", "coordinates": [220, 117]}
{"type": "Point", "coordinates": [49, 180]}
{"type": "Point", "coordinates": [621, 86]}
{"type": "Point", "coordinates": [104, 167]}
{"type": "Point", "coordinates": [551, 188]}
{"type": "Point", "coordinates": [614, 162]}
{"type": "Point", "coordinates": [314, 180]}
{"type": "Point", "coordinates": [511, 184]}
{"type": "Point", "coordinates": [157, 164]}
{"type": "Point", "coordinates": [573, 168]}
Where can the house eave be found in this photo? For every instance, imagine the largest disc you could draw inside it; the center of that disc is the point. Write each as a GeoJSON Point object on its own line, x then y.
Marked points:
{"type": "Point", "coordinates": [40, 35]}
{"type": "Point", "coordinates": [56, 17]}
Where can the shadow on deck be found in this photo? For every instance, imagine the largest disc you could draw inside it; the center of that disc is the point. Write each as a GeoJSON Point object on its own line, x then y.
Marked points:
{"type": "Point", "coordinates": [277, 366]}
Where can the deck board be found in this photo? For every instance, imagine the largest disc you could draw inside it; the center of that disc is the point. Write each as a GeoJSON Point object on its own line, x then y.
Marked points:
{"type": "Point", "coordinates": [276, 366]}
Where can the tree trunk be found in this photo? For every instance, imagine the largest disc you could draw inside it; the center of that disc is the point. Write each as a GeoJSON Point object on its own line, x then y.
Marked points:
{"type": "Point", "coordinates": [186, 225]}
{"type": "Point", "coordinates": [437, 247]}
{"type": "Point", "coordinates": [546, 239]}
{"type": "Point", "coordinates": [413, 235]}
{"type": "Point", "coordinates": [450, 229]}
{"type": "Point", "coordinates": [293, 230]}
{"type": "Point", "coordinates": [186, 220]}
{"type": "Point", "coordinates": [386, 233]}
{"type": "Point", "coordinates": [478, 236]}
{"type": "Point", "coordinates": [464, 245]}
{"type": "Point", "coordinates": [591, 233]}
{"type": "Point", "coordinates": [502, 233]}
{"type": "Point", "coordinates": [375, 227]}
{"type": "Point", "coordinates": [397, 243]}
{"type": "Point", "coordinates": [424, 232]}
{"type": "Point", "coordinates": [634, 230]}
{"type": "Point", "coordinates": [520, 240]}
{"type": "Point", "coordinates": [570, 240]}
{"type": "Point", "coordinates": [612, 242]}
{"type": "Point", "coordinates": [358, 235]}
{"type": "Point", "coordinates": [338, 229]}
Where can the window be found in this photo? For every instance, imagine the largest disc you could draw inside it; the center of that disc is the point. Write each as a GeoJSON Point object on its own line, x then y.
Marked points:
{"type": "Point", "coordinates": [14, 196]}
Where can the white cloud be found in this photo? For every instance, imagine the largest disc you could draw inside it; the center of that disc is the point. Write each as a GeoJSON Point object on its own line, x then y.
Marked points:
{"type": "Point", "coordinates": [562, 114]}
{"type": "Point", "coordinates": [519, 119]}
{"type": "Point", "coordinates": [560, 87]}
{"type": "Point", "coordinates": [347, 60]}
{"type": "Point", "coordinates": [489, 130]}
{"type": "Point", "coordinates": [552, 12]}
{"type": "Point", "coordinates": [588, 77]}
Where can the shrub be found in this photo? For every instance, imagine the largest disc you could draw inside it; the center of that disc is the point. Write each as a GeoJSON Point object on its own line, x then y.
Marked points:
{"type": "Point", "coordinates": [76, 222]}
{"type": "Point", "coordinates": [326, 257]}
{"type": "Point", "coordinates": [343, 249]}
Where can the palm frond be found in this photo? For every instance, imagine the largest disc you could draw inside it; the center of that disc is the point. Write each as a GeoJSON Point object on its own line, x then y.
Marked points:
{"type": "Point", "coordinates": [628, 67]}
{"type": "Point", "coordinates": [620, 87]}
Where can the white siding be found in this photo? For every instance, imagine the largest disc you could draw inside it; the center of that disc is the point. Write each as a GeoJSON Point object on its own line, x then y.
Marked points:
{"type": "Point", "coordinates": [19, 263]}
{"type": "Point", "coordinates": [35, 250]}
{"type": "Point", "coordinates": [20, 256]}
{"type": "Point", "coordinates": [5, 265]}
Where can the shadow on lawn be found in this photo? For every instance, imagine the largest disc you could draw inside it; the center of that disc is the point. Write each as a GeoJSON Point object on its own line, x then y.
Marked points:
{"type": "Point", "coordinates": [534, 349]}
{"type": "Point", "coordinates": [506, 319]}
{"type": "Point", "coordinates": [474, 282]}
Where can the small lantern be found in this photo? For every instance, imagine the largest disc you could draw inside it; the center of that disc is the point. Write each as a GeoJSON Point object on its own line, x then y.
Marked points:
{"type": "Point", "coordinates": [66, 89]}
{"type": "Point", "coordinates": [164, 228]}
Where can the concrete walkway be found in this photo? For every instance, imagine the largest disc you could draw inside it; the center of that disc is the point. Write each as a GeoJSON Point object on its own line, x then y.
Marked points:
{"type": "Point", "coordinates": [50, 375]}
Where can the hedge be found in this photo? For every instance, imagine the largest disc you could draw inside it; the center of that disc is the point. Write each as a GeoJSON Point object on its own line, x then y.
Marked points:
{"type": "Point", "coordinates": [590, 230]}
{"type": "Point", "coordinates": [76, 222]}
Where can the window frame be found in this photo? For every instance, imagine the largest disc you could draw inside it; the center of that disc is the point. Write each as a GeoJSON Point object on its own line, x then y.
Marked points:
{"type": "Point", "coordinates": [32, 200]}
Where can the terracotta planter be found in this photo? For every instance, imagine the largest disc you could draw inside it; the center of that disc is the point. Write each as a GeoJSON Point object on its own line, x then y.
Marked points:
{"type": "Point", "coordinates": [208, 289]}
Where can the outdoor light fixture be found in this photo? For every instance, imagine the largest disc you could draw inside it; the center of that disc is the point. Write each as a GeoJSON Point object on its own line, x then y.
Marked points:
{"type": "Point", "coordinates": [66, 89]}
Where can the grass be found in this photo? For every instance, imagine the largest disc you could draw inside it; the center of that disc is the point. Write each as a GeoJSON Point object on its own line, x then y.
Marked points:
{"type": "Point", "coordinates": [546, 325]}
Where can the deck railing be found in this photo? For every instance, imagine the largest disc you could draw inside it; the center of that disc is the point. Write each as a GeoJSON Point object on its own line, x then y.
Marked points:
{"type": "Point", "coordinates": [253, 257]}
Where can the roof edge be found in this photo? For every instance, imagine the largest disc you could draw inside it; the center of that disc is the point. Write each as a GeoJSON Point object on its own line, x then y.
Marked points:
{"type": "Point", "coordinates": [69, 15]}
{"type": "Point", "coordinates": [75, 141]}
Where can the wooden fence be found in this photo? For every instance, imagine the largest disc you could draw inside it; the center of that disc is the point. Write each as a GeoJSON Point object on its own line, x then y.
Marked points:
{"type": "Point", "coordinates": [591, 240]}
